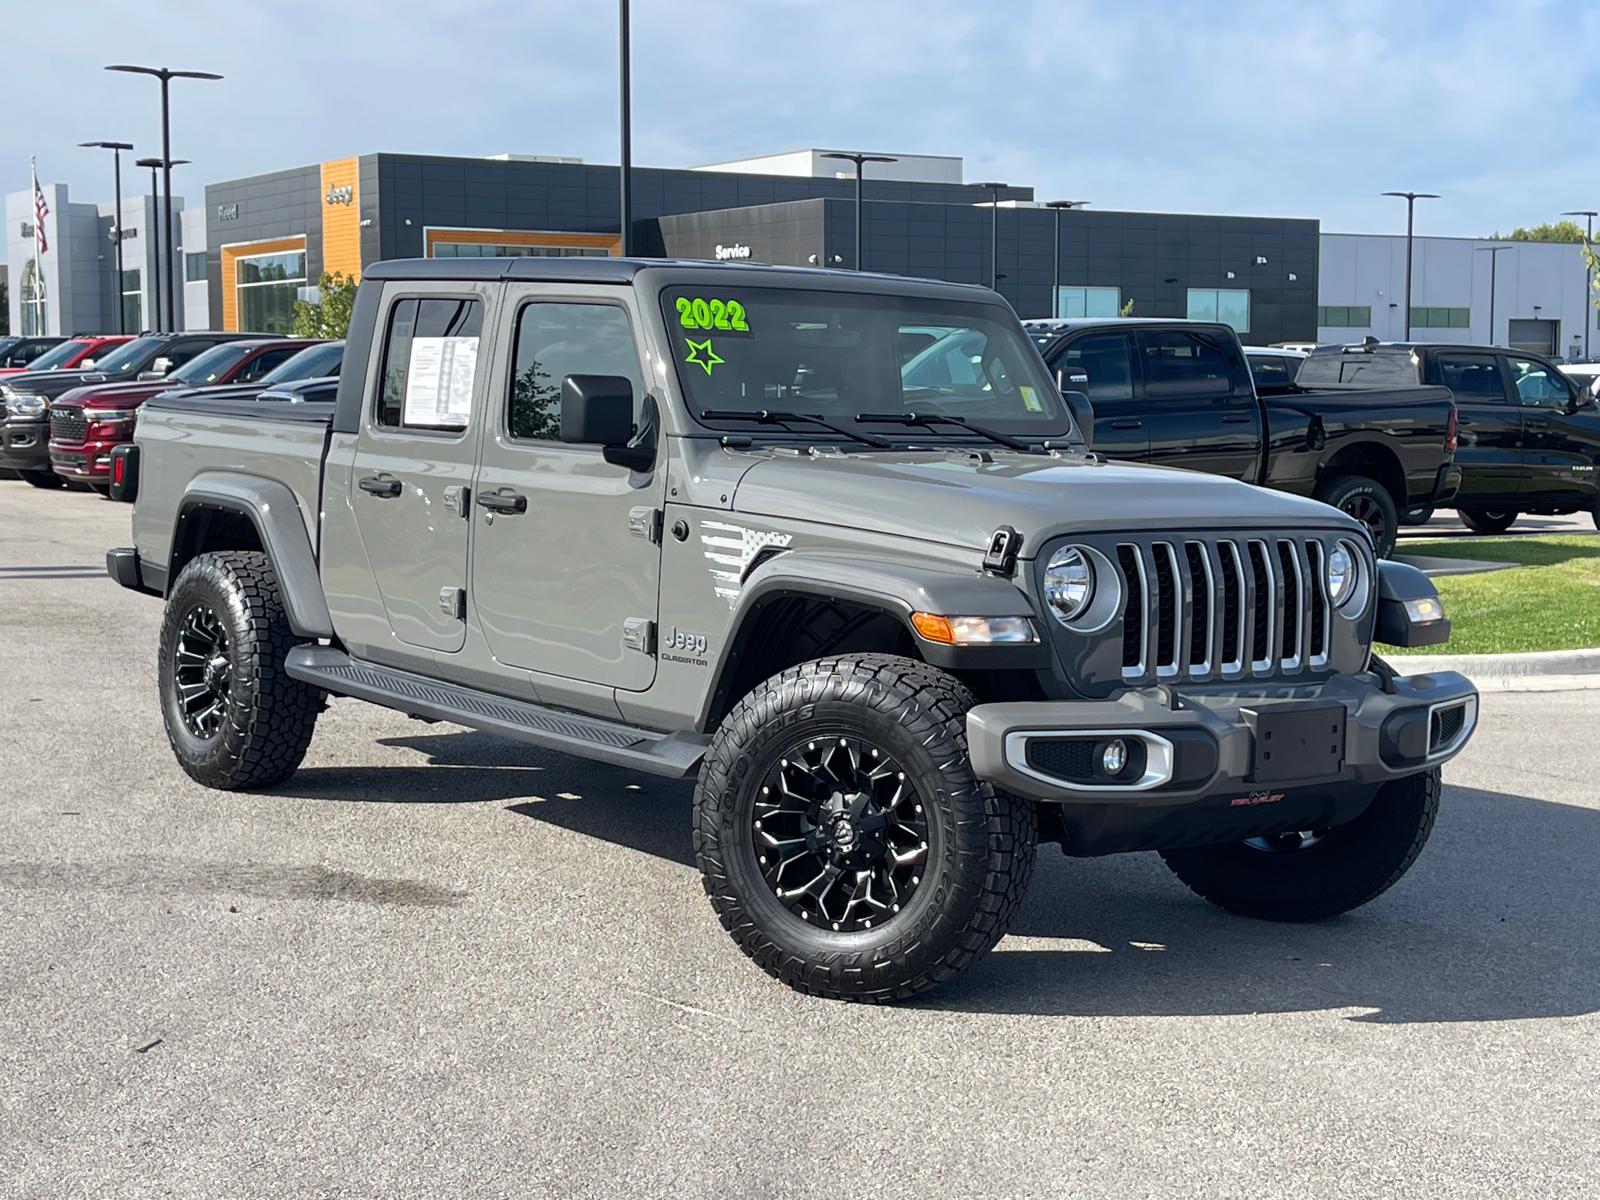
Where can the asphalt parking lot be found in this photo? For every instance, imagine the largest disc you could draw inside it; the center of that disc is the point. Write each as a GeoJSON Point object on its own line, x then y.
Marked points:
{"type": "Point", "coordinates": [438, 964]}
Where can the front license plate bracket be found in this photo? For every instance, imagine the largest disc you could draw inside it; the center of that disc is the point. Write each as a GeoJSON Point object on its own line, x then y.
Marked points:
{"type": "Point", "coordinates": [1296, 741]}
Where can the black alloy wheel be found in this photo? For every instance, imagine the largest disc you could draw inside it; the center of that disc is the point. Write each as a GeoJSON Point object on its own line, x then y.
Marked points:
{"type": "Point", "coordinates": [202, 671]}
{"type": "Point", "coordinates": [1488, 521]}
{"type": "Point", "coordinates": [840, 834]}
{"type": "Point", "coordinates": [1369, 502]}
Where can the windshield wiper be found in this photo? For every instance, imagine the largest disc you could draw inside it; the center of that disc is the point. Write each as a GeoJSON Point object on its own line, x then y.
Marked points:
{"type": "Point", "coordinates": [928, 420]}
{"type": "Point", "coordinates": [767, 416]}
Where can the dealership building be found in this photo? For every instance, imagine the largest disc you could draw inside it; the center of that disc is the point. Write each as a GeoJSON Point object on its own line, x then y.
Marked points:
{"type": "Point", "coordinates": [260, 243]}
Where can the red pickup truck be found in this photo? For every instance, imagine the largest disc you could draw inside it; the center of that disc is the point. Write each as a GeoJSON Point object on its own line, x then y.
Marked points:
{"type": "Point", "coordinates": [87, 423]}
{"type": "Point", "coordinates": [75, 352]}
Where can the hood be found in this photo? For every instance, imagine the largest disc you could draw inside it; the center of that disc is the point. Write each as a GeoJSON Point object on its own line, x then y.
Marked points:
{"type": "Point", "coordinates": [936, 497]}
{"type": "Point", "coordinates": [116, 395]}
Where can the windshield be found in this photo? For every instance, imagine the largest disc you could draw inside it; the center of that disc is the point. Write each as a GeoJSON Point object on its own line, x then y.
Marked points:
{"type": "Point", "coordinates": [133, 356]}
{"type": "Point", "coordinates": [837, 354]}
{"type": "Point", "coordinates": [213, 364]}
{"type": "Point", "coordinates": [314, 362]}
{"type": "Point", "coordinates": [58, 357]}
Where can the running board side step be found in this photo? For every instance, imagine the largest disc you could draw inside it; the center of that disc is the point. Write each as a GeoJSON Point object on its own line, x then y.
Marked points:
{"type": "Point", "coordinates": [674, 755]}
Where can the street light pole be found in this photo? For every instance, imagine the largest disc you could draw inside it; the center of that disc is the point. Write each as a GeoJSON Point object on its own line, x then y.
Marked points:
{"type": "Point", "coordinates": [1411, 199]}
{"type": "Point", "coordinates": [1494, 261]}
{"type": "Point", "coordinates": [116, 149]}
{"type": "Point", "coordinates": [166, 75]}
{"type": "Point", "coordinates": [859, 159]}
{"type": "Point", "coordinates": [625, 199]}
{"type": "Point", "coordinates": [1055, 291]}
{"type": "Point", "coordinates": [994, 233]}
{"type": "Point", "coordinates": [156, 164]}
{"type": "Point", "coordinates": [1588, 271]}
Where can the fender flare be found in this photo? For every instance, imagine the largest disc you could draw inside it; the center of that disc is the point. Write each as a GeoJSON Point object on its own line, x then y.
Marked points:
{"type": "Point", "coordinates": [896, 589]}
{"type": "Point", "coordinates": [272, 509]}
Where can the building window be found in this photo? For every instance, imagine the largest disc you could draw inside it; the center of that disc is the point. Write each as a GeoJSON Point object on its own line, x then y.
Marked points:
{"type": "Point", "coordinates": [266, 286]}
{"type": "Point", "coordinates": [132, 301]}
{"type": "Point", "coordinates": [1230, 306]}
{"type": "Point", "coordinates": [1088, 302]}
{"type": "Point", "coordinates": [1344, 316]}
{"type": "Point", "coordinates": [487, 250]}
{"type": "Point", "coordinates": [31, 295]}
{"type": "Point", "coordinates": [194, 267]}
{"type": "Point", "coordinates": [1440, 318]}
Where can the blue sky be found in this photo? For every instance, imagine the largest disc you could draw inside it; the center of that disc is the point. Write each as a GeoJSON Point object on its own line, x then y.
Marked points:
{"type": "Point", "coordinates": [1303, 109]}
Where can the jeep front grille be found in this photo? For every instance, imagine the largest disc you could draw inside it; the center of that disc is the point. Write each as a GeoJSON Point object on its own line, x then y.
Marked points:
{"type": "Point", "coordinates": [1209, 608]}
{"type": "Point", "coordinates": [67, 423]}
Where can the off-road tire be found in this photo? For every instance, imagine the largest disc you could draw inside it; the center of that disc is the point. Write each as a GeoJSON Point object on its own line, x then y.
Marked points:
{"type": "Point", "coordinates": [42, 479]}
{"type": "Point", "coordinates": [981, 840]}
{"type": "Point", "coordinates": [1369, 502]}
{"type": "Point", "coordinates": [1346, 867]}
{"type": "Point", "coordinates": [1488, 521]}
{"type": "Point", "coordinates": [267, 718]}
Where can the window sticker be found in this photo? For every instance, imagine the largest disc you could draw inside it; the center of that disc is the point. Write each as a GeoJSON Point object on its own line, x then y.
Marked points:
{"type": "Point", "coordinates": [1030, 399]}
{"type": "Point", "coordinates": [439, 381]}
{"type": "Point", "coordinates": [725, 315]}
{"type": "Point", "coordinates": [697, 349]}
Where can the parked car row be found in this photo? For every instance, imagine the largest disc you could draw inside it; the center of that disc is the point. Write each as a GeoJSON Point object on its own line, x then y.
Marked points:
{"type": "Point", "coordinates": [66, 416]}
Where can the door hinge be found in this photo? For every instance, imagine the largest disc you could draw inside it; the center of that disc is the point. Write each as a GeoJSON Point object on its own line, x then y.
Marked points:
{"type": "Point", "coordinates": [453, 602]}
{"type": "Point", "coordinates": [645, 522]}
{"type": "Point", "coordinates": [639, 633]}
{"type": "Point", "coordinates": [458, 499]}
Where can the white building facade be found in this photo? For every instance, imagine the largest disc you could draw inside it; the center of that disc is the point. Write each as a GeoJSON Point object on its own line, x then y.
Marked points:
{"type": "Point", "coordinates": [1531, 296]}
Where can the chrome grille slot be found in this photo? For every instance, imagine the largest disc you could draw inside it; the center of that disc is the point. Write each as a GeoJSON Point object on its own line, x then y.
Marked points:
{"type": "Point", "coordinates": [1233, 607]}
{"type": "Point", "coordinates": [1133, 639]}
{"type": "Point", "coordinates": [1264, 607]}
{"type": "Point", "coordinates": [1294, 603]}
{"type": "Point", "coordinates": [1320, 611]}
{"type": "Point", "coordinates": [1202, 608]}
{"type": "Point", "coordinates": [1166, 596]}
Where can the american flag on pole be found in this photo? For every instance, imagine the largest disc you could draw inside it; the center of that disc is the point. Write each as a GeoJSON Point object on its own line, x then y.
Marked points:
{"type": "Point", "coordinates": [41, 210]}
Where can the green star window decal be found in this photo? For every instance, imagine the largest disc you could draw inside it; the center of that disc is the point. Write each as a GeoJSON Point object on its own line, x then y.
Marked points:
{"type": "Point", "coordinates": [696, 349]}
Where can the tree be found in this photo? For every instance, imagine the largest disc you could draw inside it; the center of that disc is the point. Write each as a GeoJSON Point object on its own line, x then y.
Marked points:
{"type": "Point", "coordinates": [1550, 231]}
{"type": "Point", "coordinates": [329, 316]}
{"type": "Point", "coordinates": [535, 405]}
{"type": "Point", "coordinates": [1127, 309]}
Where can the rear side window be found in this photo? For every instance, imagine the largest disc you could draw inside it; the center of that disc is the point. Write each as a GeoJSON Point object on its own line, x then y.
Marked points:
{"type": "Point", "coordinates": [1472, 377]}
{"type": "Point", "coordinates": [557, 340]}
{"type": "Point", "coordinates": [430, 362]}
{"type": "Point", "coordinates": [1178, 363]}
{"type": "Point", "coordinates": [1105, 359]}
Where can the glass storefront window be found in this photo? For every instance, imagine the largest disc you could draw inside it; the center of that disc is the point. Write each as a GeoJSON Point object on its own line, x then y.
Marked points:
{"type": "Point", "coordinates": [488, 250]}
{"type": "Point", "coordinates": [31, 295]}
{"type": "Point", "coordinates": [1088, 302]}
{"type": "Point", "coordinates": [266, 286]}
{"type": "Point", "coordinates": [132, 302]}
{"type": "Point", "coordinates": [1227, 306]}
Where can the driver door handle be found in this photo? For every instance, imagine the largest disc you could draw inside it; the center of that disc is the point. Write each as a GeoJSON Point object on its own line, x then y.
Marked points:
{"type": "Point", "coordinates": [1127, 423]}
{"type": "Point", "coordinates": [503, 501]}
{"type": "Point", "coordinates": [385, 486]}
{"type": "Point", "coordinates": [1236, 420]}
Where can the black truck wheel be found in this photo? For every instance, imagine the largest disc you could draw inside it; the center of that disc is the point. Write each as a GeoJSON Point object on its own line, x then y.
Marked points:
{"type": "Point", "coordinates": [842, 837]}
{"type": "Point", "coordinates": [1369, 502]}
{"type": "Point", "coordinates": [1314, 874]}
{"type": "Point", "coordinates": [1489, 521]}
{"type": "Point", "coordinates": [42, 479]}
{"type": "Point", "coordinates": [233, 715]}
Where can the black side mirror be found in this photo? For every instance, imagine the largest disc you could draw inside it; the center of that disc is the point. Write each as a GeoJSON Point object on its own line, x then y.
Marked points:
{"type": "Point", "coordinates": [1082, 414]}
{"type": "Point", "coordinates": [598, 410]}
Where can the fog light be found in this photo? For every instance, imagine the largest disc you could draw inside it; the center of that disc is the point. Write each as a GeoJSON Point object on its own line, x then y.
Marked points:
{"type": "Point", "coordinates": [1114, 757]}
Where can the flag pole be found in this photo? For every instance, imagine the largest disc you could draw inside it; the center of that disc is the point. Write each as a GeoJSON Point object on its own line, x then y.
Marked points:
{"type": "Point", "coordinates": [38, 254]}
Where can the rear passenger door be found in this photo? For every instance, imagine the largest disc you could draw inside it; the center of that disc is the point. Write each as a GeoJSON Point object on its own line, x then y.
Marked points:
{"type": "Point", "coordinates": [1199, 403]}
{"type": "Point", "coordinates": [413, 462]}
{"type": "Point", "coordinates": [1488, 426]}
{"type": "Point", "coordinates": [1107, 359]}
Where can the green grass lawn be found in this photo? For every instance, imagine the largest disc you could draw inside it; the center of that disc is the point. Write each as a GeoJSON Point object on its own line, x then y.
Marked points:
{"type": "Point", "coordinates": [1549, 602]}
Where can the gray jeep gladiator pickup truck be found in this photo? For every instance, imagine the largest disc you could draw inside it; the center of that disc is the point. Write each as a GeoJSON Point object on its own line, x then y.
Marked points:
{"type": "Point", "coordinates": [834, 544]}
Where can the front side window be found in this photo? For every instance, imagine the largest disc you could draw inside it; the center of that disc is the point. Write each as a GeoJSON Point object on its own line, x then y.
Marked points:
{"type": "Point", "coordinates": [1106, 360]}
{"type": "Point", "coordinates": [1225, 306]}
{"type": "Point", "coordinates": [265, 362]}
{"type": "Point", "coordinates": [1539, 385]}
{"type": "Point", "coordinates": [267, 286]}
{"type": "Point", "coordinates": [1472, 377]}
{"type": "Point", "coordinates": [430, 363]}
{"type": "Point", "coordinates": [836, 355]}
{"type": "Point", "coordinates": [1270, 371]}
{"type": "Point", "coordinates": [557, 340]}
{"type": "Point", "coordinates": [1183, 363]}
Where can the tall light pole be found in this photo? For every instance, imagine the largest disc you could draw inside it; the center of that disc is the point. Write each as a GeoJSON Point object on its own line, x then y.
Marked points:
{"type": "Point", "coordinates": [116, 149]}
{"type": "Point", "coordinates": [994, 233]}
{"type": "Point", "coordinates": [1588, 272]}
{"type": "Point", "coordinates": [625, 71]}
{"type": "Point", "coordinates": [160, 164]}
{"type": "Point", "coordinates": [1055, 290]}
{"type": "Point", "coordinates": [1411, 199]}
{"type": "Point", "coordinates": [1494, 261]}
{"type": "Point", "coordinates": [859, 159]}
{"type": "Point", "coordinates": [165, 75]}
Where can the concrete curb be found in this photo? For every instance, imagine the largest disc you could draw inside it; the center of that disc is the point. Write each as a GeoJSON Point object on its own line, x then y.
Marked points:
{"type": "Point", "coordinates": [1538, 671]}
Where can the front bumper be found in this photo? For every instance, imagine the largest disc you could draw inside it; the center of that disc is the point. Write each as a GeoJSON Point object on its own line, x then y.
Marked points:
{"type": "Point", "coordinates": [1201, 769]}
{"type": "Point", "coordinates": [24, 444]}
{"type": "Point", "coordinates": [83, 460]}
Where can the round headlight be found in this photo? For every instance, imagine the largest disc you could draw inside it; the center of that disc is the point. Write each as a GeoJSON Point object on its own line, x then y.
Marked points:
{"type": "Point", "coordinates": [1342, 568]}
{"type": "Point", "coordinates": [1068, 584]}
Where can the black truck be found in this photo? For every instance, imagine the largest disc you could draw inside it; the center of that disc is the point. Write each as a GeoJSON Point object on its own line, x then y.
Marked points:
{"type": "Point", "coordinates": [1529, 437]}
{"type": "Point", "coordinates": [1180, 394]}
